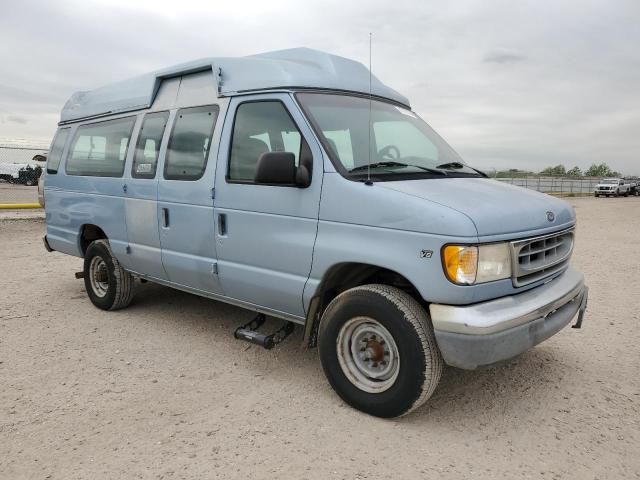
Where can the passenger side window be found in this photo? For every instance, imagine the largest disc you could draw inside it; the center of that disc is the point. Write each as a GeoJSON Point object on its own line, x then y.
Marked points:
{"type": "Point", "coordinates": [190, 143]}
{"type": "Point", "coordinates": [260, 127]}
{"type": "Point", "coordinates": [145, 158]}
{"type": "Point", "coordinates": [414, 143]}
{"type": "Point", "coordinates": [55, 155]}
{"type": "Point", "coordinates": [100, 149]}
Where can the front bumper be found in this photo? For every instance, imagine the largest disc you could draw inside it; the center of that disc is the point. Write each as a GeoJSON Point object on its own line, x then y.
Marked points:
{"type": "Point", "coordinates": [490, 332]}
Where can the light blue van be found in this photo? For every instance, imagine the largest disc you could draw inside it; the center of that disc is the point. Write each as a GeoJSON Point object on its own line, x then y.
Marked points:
{"type": "Point", "coordinates": [295, 185]}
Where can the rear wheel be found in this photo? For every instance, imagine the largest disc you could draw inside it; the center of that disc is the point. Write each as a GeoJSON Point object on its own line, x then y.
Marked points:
{"type": "Point", "coordinates": [378, 351]}
{"type": "Point", "coordinates": [109, 286]}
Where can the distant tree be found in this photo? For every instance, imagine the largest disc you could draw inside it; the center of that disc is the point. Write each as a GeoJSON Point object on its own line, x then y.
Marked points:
{"type": "Point", "coordinates": [574, 172]}
{"type": "Point", "coordinates": [602, 170]}
{"type": "Point", "coordinates": [556, 171]}
{"type": "Point", "coordinates": [512, 173]}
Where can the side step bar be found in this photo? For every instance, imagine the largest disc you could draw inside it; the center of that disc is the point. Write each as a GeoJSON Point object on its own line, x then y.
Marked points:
{"type": "Point", "coordinates": [249, 333]}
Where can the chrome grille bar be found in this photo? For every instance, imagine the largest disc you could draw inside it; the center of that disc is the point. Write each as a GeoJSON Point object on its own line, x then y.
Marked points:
{"type": "Point", "coordinates": [534, 259]}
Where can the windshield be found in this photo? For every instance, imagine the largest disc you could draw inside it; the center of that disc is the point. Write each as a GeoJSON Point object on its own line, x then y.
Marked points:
{"type": "Point", "coordinates": [401, 143]}
{"type": "Point", "coordinates": [615, 182]}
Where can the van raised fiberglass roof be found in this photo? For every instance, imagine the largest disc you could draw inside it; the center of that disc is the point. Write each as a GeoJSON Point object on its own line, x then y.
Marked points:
{"type": "Point", "coordinates": [293, 68]}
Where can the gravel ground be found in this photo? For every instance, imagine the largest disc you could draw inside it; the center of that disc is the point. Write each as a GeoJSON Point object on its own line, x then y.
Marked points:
{"type": "Point", "coordinates": [162, 390]}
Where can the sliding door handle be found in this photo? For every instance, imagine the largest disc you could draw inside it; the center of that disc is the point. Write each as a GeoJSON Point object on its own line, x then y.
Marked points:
{"type": "Point", "coordinates": [222, 224]}
{"type": "Point", "coordinates": [165, 217]}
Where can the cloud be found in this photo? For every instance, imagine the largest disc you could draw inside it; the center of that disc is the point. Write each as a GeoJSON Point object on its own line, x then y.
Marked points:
{"type": "Point", "coordinates": [16, 119]}
{"type": "Point", "coordinates": [503, 55]}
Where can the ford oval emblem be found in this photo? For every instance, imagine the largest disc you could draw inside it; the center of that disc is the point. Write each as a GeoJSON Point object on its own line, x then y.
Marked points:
{"type": "Point", "coordinates": [551, 216]}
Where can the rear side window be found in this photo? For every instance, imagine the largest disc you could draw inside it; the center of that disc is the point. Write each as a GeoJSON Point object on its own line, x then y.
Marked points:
{"type": "Point", "coordinates": [55, 155]}
{"type": "Point", "coordinates": [260, 127]}
{"type": "Point", "coordinates": [190, 143]}
{"type": "Point", "coordinates": [100, 149]}
{"type": "Point", "coordinates": [145, 158]}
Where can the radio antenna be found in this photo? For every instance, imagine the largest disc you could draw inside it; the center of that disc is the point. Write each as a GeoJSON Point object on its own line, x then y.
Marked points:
{"type": "Point", "coordinates": [369, 125]}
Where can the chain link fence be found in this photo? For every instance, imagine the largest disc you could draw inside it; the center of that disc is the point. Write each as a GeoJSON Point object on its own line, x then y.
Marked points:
{"type": "Point", "coordinates": [20, 168]}
{"type": "Point", "coordinates": [565, 186]}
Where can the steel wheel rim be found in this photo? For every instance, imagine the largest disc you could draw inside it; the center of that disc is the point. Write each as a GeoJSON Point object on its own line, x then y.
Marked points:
{"type": "Point", "coordinates": [368, 355]}
{"type": "Point", "coordinates": [98, 276]}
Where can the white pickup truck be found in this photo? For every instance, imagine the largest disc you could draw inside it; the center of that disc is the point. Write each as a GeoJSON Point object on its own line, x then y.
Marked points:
{"type": "Point", "coordinates": [25, 173]}
{"type": "Point", "coordinates": [612, 187]}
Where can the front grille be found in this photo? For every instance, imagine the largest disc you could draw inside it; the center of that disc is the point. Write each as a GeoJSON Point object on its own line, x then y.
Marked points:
{"type": "Point", "coordinates": [534, 259]}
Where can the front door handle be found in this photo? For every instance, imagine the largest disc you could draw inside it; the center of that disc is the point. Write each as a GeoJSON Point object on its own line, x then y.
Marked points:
{"type": "Point", "coordinates": [222, 224]}
{"type": "Point", "coordinates": [165, 217]}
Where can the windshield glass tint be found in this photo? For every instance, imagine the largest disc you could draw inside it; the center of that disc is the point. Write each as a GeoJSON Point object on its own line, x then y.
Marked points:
{"type": "Point", "coordinates": [401, 142]}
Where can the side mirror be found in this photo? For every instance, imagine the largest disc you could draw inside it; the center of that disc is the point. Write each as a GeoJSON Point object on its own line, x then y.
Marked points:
{"type": "Point", "coordinates": [303, 176]}
{"type": "Point", "coordinates": [277, 168]}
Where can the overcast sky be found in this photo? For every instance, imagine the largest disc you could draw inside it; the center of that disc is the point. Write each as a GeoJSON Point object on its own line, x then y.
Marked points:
{"type": "Point", "coordinates": [509, 84]}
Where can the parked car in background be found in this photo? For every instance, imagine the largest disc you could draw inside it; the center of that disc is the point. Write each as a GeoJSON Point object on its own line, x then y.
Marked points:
{"type": "Point", "coordinates": [612, 187]}
{"type": "Point", "coordinates": [23, 173]}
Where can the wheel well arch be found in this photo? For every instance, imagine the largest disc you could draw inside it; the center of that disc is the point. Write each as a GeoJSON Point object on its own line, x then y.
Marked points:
{"type": "Point", "coordinates": [89, 233]}
{"type": "Point", "coordinates": [346, 275]}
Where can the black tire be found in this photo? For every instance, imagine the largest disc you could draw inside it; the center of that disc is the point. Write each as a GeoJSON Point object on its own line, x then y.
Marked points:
{"type": "Point", "coordinates": [596, 195]}
{"type": "Point", "coordinates": [31, 182]}
{"type": "Point", "coordinates": [118, 283]}
{"type": "Point", "coordinates": [420, 364]}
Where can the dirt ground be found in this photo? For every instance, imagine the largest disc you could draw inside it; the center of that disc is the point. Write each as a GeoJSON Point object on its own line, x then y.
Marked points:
{"type": "Point", "coordinates": [162, 390]}
{"type": "Point", "coordinates": [12, 193]}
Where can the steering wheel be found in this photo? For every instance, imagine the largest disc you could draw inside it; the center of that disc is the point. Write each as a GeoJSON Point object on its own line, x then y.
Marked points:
{"type": "Point", "coordinates": [390, 152]}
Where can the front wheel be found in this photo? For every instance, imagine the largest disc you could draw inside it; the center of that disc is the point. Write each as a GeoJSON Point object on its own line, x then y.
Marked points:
{"type": "Point", "coordinates": [109, 286]}
{"type": "Point", "coordinates": [378, 350]}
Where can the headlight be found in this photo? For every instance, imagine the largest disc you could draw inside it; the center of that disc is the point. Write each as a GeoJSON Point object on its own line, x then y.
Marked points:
{"type": "Point", "coordinates": [471, 264]}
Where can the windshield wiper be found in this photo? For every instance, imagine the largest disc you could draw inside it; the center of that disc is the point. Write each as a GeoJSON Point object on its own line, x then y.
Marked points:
{"type": "Point", "coordinates": [396, 164]}
{"type": "Point", "coordinates": [457, 165]}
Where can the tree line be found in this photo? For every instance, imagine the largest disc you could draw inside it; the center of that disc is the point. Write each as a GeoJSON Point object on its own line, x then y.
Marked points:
{"type": "Point", "coordinates": [595, 170]}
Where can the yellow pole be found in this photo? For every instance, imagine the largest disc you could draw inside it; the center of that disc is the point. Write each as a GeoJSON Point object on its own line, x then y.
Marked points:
{"type": "Point", "coordinates": [21, 206]}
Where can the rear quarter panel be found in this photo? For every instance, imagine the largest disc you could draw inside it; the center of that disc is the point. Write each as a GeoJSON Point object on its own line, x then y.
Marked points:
{"type": "Point", "coordinates": [72, 202]}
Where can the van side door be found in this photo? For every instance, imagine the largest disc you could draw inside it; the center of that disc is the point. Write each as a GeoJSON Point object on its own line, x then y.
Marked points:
{"type": "Point", "coordinates": [141, 188]}
{"type": "Point", "coordinates": [265, 233]}
{"type": "Point", "coordinates": [185, 203]}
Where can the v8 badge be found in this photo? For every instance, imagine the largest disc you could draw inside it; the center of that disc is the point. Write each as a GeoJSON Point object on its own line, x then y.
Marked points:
{"type": "Point", "coordinates": [426, 253]}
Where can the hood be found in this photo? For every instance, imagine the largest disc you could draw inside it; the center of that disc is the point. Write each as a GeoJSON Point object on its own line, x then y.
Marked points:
{"type": "Point", "coordinates": [496, 208]}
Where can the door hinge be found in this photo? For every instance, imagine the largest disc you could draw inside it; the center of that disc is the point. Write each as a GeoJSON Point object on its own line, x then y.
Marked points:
{"type": "Point", "coordinates": [213, 193]}
{"type": "Point", "coordinates": [214, 268]}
